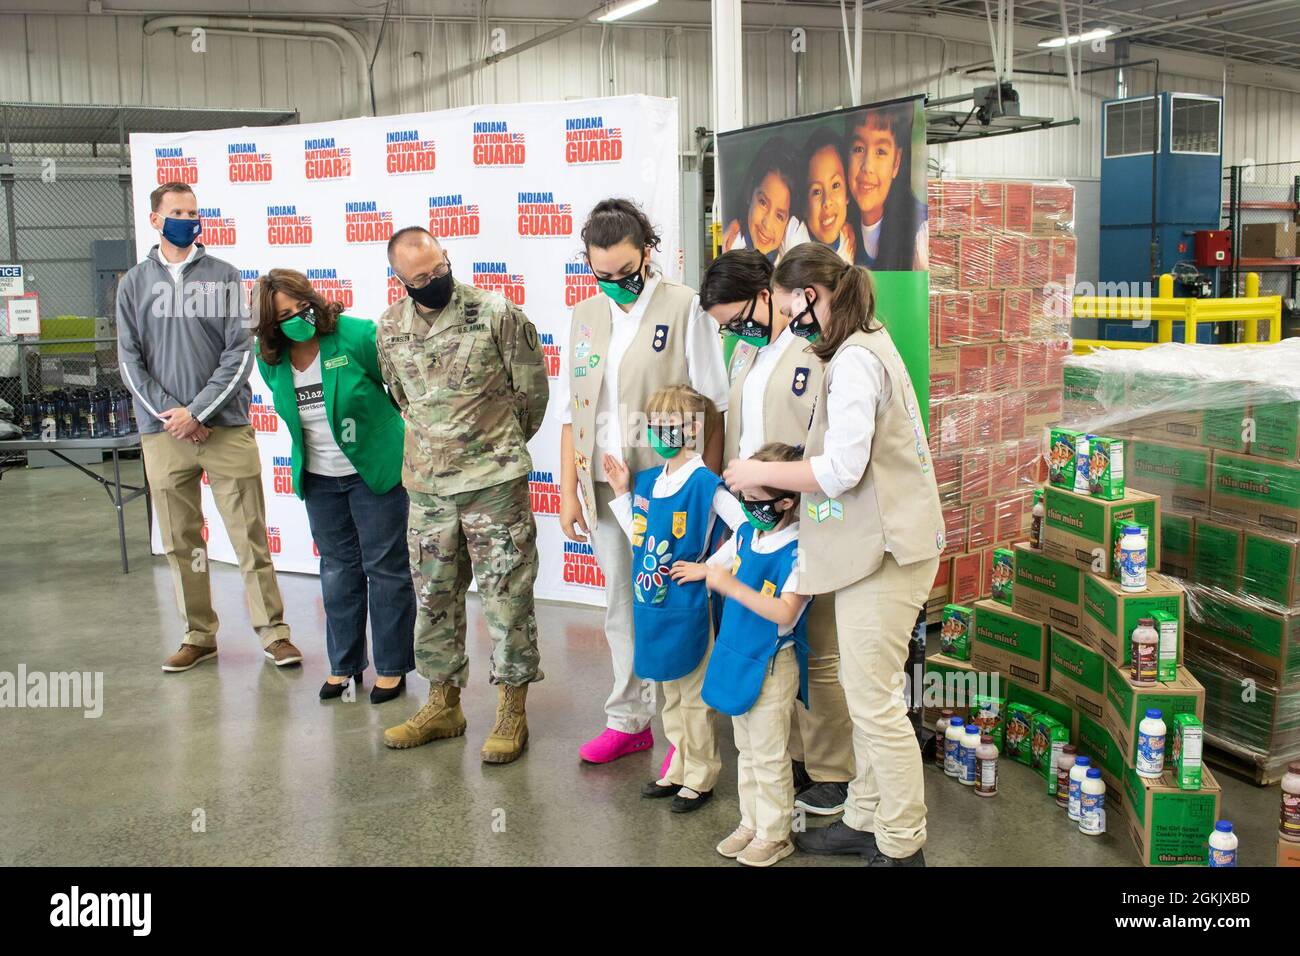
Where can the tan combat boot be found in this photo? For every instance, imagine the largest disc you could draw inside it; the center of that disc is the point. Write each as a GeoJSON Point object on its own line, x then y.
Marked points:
{"type": "Point", "coordinates": [509, 734]}
{"type": "Point", "coordinates": [440, 717]}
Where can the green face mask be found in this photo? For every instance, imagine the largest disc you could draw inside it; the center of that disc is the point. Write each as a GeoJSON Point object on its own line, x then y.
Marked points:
{"type": "Point", "coordinates": [626, 290]}
{"type": "Point", "coordinates": [762, 514]}
{"type": "Point", "coordinates": [300, 327]}
{"type": "Point", "coordinates": [666, 440]}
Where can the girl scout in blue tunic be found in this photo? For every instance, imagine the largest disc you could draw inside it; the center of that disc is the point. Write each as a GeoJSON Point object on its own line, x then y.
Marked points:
{"type": "Point", "coordinates": [671, 514]}
{"type": "Point", "coordinates": [759, 663]}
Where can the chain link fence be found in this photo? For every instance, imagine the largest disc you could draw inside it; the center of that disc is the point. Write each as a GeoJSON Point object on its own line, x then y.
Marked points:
{"type": "Point", "coordinates": [1255, 195]}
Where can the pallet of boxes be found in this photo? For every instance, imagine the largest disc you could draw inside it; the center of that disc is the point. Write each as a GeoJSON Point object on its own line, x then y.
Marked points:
{"type": "Point", "coordinates": [1216, 432]}
{"type": "Point", "coordinates": [1002, 264]}
{"type": "Point", "coordinates": [1061, 636]}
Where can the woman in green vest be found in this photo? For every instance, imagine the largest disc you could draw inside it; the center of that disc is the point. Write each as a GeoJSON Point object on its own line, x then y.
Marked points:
{"type": "Point", "coordinates": [870, 535]}
{"type": "Point", "coordinates": [323, 372]}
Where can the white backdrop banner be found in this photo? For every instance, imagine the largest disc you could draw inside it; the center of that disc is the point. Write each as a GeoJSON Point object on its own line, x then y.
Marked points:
{"type": "Point", "coordinates": [506, 188]}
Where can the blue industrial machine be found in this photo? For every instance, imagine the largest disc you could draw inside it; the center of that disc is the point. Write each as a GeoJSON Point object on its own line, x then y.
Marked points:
{"type": "Point", "coordinates": [1172, 141]}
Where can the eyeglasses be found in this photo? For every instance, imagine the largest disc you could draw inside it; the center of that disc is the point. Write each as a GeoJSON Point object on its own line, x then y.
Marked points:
{"type": "Point", "coordinates": [424, 278]}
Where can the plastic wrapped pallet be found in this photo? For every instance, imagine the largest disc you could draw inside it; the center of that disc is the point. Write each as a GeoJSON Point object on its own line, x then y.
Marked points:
{"type": "Point", "coordinates": [1002, 265]}
{"type": "Point", "coordinates": [1215, 432]}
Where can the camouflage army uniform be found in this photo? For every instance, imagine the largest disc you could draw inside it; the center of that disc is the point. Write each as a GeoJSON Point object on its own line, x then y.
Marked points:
{"type": "Point", "coordinates": [472, 388]}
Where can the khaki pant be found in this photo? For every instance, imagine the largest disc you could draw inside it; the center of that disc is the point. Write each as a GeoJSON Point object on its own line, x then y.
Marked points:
{"type": "Point", "coordinates": [821, 734]}
{"type": "Point", "coordinates": [688, 725]}
{"type": "Point", "coordinates": [763, 778]}
{"type": "Point", "coordinates": [876, 617]}
{"type": "Point", "coordinates": [234, 470]}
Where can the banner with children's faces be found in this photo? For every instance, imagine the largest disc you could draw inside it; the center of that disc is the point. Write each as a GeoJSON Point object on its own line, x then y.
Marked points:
{"type": "Point", "coordinates": [506, 189]}
{"type": "Point", "coordinates": [853, 180]}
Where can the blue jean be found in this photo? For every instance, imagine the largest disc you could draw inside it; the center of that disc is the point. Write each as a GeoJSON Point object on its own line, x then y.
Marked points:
{"type": "Point", "coordinates": [364, 563]}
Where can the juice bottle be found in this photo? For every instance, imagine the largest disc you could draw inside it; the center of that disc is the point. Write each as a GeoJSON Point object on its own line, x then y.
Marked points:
{"type": "Point", "coordinates": [1290, 824]}
{"type": "Point", "coordinates": [1092, 803]}
{"type": "Point", "coordinates": [1133, 559]}
{"type": "Point", "coordinates": [940, 732]}
{"type": "Point", "coordinates": [986, 767]}
{"type": "Point", "coordinates": [1223, 845]}
{"type": "Point", "coordinates": [1064, 764]}
{"type": "Point", "coordinates": [1077, 774]}
{"type": "Point", "coordinates": [951, 745]}
{"type": "Point", "coordinates": [1151, 745]}
{"type": "Point", "coordinates": [970, 744]}
{"type": "Point", "coordinates": [1144, 651]}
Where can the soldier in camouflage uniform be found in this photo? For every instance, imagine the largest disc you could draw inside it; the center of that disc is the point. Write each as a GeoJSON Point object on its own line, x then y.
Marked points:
{"type": "Point", "coordinates": [467, 371]}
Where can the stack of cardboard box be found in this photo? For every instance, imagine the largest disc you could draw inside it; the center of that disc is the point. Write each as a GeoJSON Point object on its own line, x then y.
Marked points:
{"type": "Point", "coordinates": [1059, 645]}
{"type": "Point", "coordinates": [1002, 266]}
{"type": "Point", "coordinates": [1215, 433]}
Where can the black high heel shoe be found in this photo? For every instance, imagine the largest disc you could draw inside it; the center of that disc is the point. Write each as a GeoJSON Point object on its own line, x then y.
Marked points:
{"type": "Point", "coordinates": [380, 695]}
{"type": "Point", "coordinates": [330, 691]}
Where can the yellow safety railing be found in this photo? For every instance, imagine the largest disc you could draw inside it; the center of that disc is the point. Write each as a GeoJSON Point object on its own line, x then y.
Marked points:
{"type": "Point", "coordinates": [1165, 310]}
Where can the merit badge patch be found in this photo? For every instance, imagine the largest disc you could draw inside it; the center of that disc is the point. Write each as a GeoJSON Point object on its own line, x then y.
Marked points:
{"type": "Point", "coordinates": [769, 589]}
{"type": "Point", "coordinates": [595, 360]}
{"type": "Point", "coordinates": [679, 524]}
{"type": "Point", "coordinates": [799, 385]}
{"type": "Point", "coordinates": [661, 338]}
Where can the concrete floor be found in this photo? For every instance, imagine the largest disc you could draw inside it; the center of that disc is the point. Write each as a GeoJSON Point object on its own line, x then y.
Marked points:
{"type": "Point", "coordinates": [278, 777]}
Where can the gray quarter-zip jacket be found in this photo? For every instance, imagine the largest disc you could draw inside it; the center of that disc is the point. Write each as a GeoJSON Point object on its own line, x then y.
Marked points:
{"type": "Point", "coordinates": [184, 343]}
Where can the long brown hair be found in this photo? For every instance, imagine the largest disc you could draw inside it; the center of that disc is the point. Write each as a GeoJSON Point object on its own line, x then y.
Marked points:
{"type": "Point", "coordinates": [853, 293]}
{"type": "Point", "coordinates": [270, 340]}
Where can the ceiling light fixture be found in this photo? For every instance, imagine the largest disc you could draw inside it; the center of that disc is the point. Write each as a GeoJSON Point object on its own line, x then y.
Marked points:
{"type": "Point", "coordinates": [1056, 42]}
{"type": "Point", "coordinates": [623, 8]}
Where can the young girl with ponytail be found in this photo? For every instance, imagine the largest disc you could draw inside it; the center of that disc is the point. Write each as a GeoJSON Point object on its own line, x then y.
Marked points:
{"type": "Point", "coordinates": [870, 536]}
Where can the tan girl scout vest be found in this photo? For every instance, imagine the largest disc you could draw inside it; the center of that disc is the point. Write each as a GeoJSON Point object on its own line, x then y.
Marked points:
{"type": "Point", "coordinates": [655, 358]}
{"type": "Point", "coordinates": [787, 401]}
{"type": "Point", "coordinates": [896, 504]}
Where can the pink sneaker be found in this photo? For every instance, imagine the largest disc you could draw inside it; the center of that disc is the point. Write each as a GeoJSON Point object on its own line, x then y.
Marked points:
{"type": "Point", "coordinates": [663, 771]}
{"type": "Point", "coordinates": [612, 744]}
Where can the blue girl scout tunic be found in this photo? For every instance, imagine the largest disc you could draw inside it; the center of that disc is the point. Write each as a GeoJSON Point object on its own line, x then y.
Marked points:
{"type": "Point", "coordinates": [747, 642]}
{"type": "Point", "coordinates": [671, 620]}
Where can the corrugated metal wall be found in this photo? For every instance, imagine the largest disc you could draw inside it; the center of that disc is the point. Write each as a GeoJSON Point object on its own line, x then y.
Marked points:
{"type": "Point", "coordinates": [104, 59]}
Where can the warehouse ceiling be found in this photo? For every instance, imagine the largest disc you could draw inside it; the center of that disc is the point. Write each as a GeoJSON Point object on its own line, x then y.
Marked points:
{"type": "Point", "coordinates": [1257, 31]}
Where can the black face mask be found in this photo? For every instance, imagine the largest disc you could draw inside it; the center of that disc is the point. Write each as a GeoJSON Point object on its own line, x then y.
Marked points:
{"type": "Point", "coordinates": [755, 333]}
{"type": "Point", "coordinates": [805, 324]}
{"type": "Point", "coordinates": [434, 295]}
{"type": "Point", "coordinates": [763, 515]}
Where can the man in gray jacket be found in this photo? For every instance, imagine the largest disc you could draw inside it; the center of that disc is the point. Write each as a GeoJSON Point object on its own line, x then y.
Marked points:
{"type": "Point", "coordinates": [185, 353]}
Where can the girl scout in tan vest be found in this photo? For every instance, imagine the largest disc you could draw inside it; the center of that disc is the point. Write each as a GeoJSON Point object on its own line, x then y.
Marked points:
{"type": "Point", "coordinates": [775, 379]}
{"type": "Point", "coordinates": [643, 333]}
{"type": "Point", "coordinates": [870, 535]}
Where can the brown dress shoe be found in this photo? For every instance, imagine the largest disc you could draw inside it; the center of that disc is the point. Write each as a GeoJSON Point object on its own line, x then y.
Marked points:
{"type": "Point", "coordinates": [188, 656]}
{"type": "Point", "coordinates": [282, 653]}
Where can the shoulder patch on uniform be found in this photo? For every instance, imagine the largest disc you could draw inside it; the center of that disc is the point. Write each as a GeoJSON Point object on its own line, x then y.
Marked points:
{"type": "Point", "coordinates": [530, 335]}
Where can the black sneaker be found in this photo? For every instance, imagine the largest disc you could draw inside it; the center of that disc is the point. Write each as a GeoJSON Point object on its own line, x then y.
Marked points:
{"type": "Point", "coordinates": [823, 799]}
{"type": "Point", "coordinates": [879, 859]}
{"type": "Point", "coordinates": [686, 805]}
{"type": "Point", "coordinates": [838, 839]}
{"type": "Point", "coordinates": [800, 772]}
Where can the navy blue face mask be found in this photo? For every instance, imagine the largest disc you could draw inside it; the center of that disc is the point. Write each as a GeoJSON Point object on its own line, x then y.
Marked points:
{"type": "Point", "coordinates": [181, 232]}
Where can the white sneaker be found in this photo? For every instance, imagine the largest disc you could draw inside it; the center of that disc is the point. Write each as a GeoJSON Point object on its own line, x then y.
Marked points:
{"type": "Point", "coordinates": [732, 846]}
{"type": "Point", "coordinates": [765, 852]}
